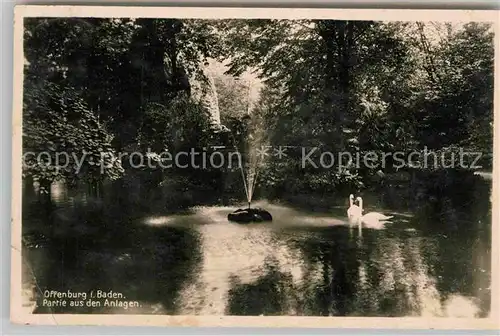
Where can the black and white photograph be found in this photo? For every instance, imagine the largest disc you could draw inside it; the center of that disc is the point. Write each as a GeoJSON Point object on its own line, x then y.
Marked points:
{"type": "Point", "coordinates": [331, 164]}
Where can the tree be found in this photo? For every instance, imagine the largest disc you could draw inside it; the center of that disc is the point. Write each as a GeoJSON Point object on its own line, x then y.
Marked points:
{"type": "Point", "coordinates": [119, 66]}
{"type": "Point", "coordinates": [63, 140]}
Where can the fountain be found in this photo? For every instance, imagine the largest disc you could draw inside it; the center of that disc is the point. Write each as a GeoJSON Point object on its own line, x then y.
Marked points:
{"type": "Point", "coordinates": [249, 215]}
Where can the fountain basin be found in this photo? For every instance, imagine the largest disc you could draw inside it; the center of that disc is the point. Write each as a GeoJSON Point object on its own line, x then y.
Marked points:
{"type": "Point", "coordinates": [250, 215]}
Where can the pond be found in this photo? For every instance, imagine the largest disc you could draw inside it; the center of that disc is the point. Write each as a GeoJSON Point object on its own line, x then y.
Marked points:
{"type": "Point", "coordinates": [428, 261]}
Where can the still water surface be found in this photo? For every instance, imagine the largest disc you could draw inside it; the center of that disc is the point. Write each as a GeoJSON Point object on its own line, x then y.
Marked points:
{"type": "Point", "coordinates": [303, 263]}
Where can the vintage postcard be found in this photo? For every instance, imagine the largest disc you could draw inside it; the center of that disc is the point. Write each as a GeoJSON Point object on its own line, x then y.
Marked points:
{"type": "Point", "coordinates": [255, 167]}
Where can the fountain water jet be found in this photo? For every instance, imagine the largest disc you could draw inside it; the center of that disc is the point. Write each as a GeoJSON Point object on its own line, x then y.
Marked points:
{"type": "Point", "coordinates": [249, 182]}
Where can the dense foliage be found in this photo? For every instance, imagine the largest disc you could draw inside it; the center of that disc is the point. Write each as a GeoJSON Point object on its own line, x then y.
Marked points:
{"type": "Point", "coordinates": [367, 86]}
{"type": "Point", "coordinates": [112, 85]}
{"type": "Point", "coordinates": [64, 140]}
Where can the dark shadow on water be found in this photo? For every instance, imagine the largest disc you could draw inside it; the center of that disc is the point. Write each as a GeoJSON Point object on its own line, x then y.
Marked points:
{"type": "Point", "coordinates": [96, 247]}
{"type": "Point", "coordinates": [268, 295]}
{"type": "Point", "coordinates": [439, 248]}
{"type": "Point", "coordinates": [335, 257]}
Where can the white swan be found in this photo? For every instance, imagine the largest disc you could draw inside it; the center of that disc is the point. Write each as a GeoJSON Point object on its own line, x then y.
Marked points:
{"type": "Point", "coordinates": [354, 211]}
{"type": "Point", "coordinates": [371, 219]}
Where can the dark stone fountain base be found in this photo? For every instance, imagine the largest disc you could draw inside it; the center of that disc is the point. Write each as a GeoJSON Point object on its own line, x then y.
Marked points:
{"type": "Point", "coordinates": [250, 215]}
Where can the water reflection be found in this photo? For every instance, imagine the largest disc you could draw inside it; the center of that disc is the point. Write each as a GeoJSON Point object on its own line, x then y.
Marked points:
{"type": "Point", "coordinates": [304, 263]}
{"type": "Point", "coordinates": [234, 255]}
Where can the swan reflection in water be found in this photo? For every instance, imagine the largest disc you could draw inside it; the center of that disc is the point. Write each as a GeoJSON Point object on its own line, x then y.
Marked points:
{"type": "Point", "coordinates": [373, 219]}
{"type": "Point", "coordinates": [303, 263]}
{"type": "Point", "coordinates": [313, 268]}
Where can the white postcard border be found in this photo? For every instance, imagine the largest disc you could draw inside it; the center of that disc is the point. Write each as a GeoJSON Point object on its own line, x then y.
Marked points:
{"type": "Point", "coordinates": [18, 315]}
